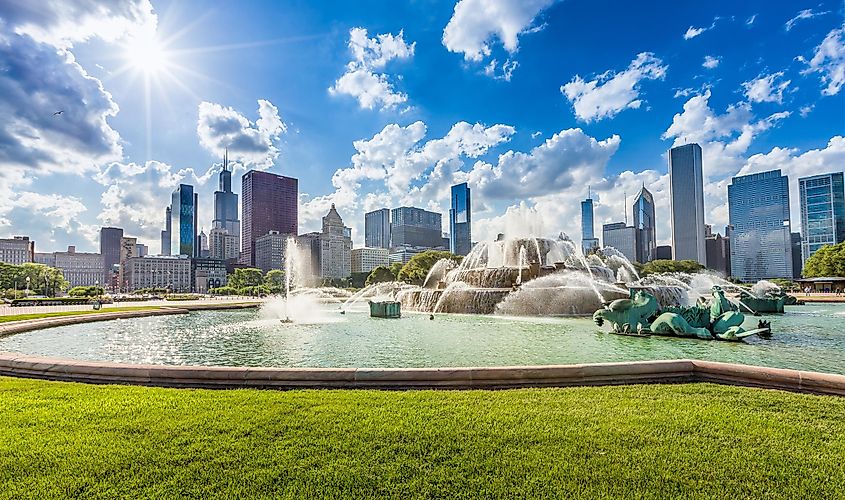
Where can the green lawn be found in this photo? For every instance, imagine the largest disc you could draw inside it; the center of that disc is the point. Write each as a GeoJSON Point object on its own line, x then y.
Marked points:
{"type": "Point", "coordinates": [22, 317]}
{"type": "Point", "coordinates": [699, 440]}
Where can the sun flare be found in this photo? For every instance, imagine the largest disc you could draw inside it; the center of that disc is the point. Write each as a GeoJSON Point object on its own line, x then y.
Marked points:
{"type": "Point", "coordinates": [146, 54]}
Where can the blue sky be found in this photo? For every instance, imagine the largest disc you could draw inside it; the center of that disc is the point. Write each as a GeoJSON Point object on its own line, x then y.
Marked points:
{"type": "Point", "coordinates": [528, 101]}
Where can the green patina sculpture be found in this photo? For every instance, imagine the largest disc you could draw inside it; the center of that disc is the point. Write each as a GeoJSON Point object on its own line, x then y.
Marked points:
{"type": "Point", "coordinates": [717, 320]}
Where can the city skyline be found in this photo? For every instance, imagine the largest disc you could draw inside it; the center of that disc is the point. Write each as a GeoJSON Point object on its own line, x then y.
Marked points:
{"type": "Point", "coordinates": [604, 116]}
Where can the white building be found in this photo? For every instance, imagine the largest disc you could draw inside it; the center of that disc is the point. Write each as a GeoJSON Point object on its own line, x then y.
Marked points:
{"type": "Point", "coordinates": [404, 253]}
{"type": "Point", "coordinates": [223, 245]}
{"type": "Point", "coordinates": [17, 250]}
{"type": "Point", "coordinates": [366, 259]}
{"type": "Point", "coordinates": [172, 272]}
{"type": "Point", "coordinates": [78, 268]}
{"type": "Point", "coordinates": [335, 247]}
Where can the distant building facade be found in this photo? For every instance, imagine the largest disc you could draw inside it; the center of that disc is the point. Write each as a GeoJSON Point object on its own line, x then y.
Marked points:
{"type": "Point", "coordinates": [621, 237]}
{"type": "Point", "coordinates": [270, 251]}
{"type": "Point", "coordinates": [170, 272]}
{"type": "Point", "coordinates": [797, 261]}
{"type": "Point", "coordinates": [226, 203]}
{"type": "Point", "coordinates": [110, 250]}
{"type": "Point", "coordinates": [366, 259]}
{"type": "Point", "coordinates": [207, 274]}
{"type": "Point", "coordinates": [645, 226]}
{"type": "Point", "coordinates": [222, 245]}
{"type": "Point", "coordinates": [663, 252]}
{"type": "Point", "coordinates": [686, 197]}
{"type": "Point", "coordinates": [335, 247]}
{"type": "Point", "coordinates": [166, 232]}
{"type": "Point", "coordinates": [78, 268]}
{"type": "Point", "coordinates": [415, 227]}
{"type": "Point", "coordinates": [589, 242]}
{"type": "Point", "coordinates": [460, 220]}
{"type": "Point", "coordinates": [377, 228]}
{"type": "Point", "coordinates": [17, 250]}
{"type": "Point", "coordinates": [718, 253]}
{"type": "Point", "coordinates": [128, 250]}
{"type": "Point", "coordinates": [761, 235]}
{"type": "Point", "coordinates": [822, 211]}
{"type": "Point", "coordinates": [269, 203]}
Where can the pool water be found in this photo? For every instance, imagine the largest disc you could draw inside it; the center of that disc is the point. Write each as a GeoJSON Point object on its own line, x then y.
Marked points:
{"type": "Point", "coordinates": [809, 337]}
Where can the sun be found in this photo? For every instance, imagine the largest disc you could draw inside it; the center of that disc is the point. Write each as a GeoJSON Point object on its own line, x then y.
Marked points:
{"type": "Point", "coordinates": [146, 54]}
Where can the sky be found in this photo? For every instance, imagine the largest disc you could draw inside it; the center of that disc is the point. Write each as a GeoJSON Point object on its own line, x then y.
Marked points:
{"type": "Point", "coordinates": [375, 104]}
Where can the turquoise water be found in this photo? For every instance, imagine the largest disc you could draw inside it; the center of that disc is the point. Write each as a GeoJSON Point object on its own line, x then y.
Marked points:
{"type": "Point", "coordinates": [810, 337]}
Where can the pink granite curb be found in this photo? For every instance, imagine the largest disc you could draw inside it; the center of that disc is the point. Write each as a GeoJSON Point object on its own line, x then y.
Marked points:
{"type": "Point", "coordinates": [636, 372]}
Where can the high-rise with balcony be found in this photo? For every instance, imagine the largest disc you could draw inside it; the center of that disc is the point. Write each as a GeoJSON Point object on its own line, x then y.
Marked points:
{"type": "Point", "coordinates": [822, 212]}
{"type": "Point", "coordinates": [460, 220]}
{"type": "Point", "coordinates": [269, 203]}
{"type": "Point", "coordinates": [645, 227]}
{"type": "Point", "coordinates": [761, 236]}
{"type": "Point", "coordinates": [589, 242]}
{"type": "Point", "coordinates": [686, 198]}
{"type": "Point", "coordinates": [377, 228]}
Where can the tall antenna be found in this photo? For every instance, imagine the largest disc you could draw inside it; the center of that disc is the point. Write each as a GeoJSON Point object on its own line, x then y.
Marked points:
{"type": "Point", "coordinates": [625, 208]}
{"type": "Point", "coordinates": [589, 194]}
{"type": "Point", "coordinates": [225, 158]}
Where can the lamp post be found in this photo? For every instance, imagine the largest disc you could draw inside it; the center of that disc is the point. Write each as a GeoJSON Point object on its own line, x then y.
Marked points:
{"type": "Point", "coordinates": [27, 286]}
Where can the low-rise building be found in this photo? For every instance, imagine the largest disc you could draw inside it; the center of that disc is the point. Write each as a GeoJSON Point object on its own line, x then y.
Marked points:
{"type": "Point", "coordinates": [17, 250]}
{"type": "Point", "coordinates": [366, 259]}
{"type": "Point", "coordinates": [207, 274]}
{"type": "Point", "coordinates": [78, 268]}
{"type": "Point", "coordinates": [171, 272]}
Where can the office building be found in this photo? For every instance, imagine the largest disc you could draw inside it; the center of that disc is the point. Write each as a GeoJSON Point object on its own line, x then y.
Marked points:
{"type": "Point", "coordinates": [168, 272]}
{"type": "Point", "coordinates": [686, 198]}
{"type": "Point", "coordinates": [415, 227]}
{"type": "Point", "coordinates": [589, 242]}
{"type": "Point", "coordinates": [718, 250]}
{"type": "Point", "coordinates": [17, 250]}
{"type": "Point", "coordinates": [460, 220]}
{"type": "Point", "coordinates": [645, 226]}
{"type": "Point", "coordinates": [622, 237]}
{"type": "Point", "coordinates": [335, 247]}
{"type": "Point", "coordinates": [222, 245]}
{"type": "Point", "coordinates": [183, 222]}
{"type": "Point", "coordinates": [377, 228]}
{"type": "Point", "coordinates": [78, 268]}
{"type": "Point", "coordinates": [270, 251]}
{"type": "Point", "coordinates": [110, 250]}
{"type": "Point", "coordinates": [761, 236]}
{"type": "Point", "coordinates": [307, 268]}
{"type": "Point", "coordinates": [207, 274]}
{"type": "Point", "coordinates": [203, 244]}
{"type": "Point", "coordinates": [226, 202]}
{"type": "Point", "coordinates": [128, 250]}
{"type": "Point", "coordinates": [404, 253]}
{"type": "Point", "coordinates": [142, 250]}
{"type": "Point", "coordinates": [366, 259]}
{"type": "Point", "coordinates": [165, 233]}
{"type": "Point", "coordinates": [797, 261]}
{"type": "Point", "coordinates": [269, 203]}
{"type": "Point", "coordinates": [663, 252]}
{"type": "Point", "coordinates": [822, 212]}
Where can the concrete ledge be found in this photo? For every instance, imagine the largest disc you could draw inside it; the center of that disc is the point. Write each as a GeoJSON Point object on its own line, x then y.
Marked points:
{"type": "Point", "coordinates": [637, 372]}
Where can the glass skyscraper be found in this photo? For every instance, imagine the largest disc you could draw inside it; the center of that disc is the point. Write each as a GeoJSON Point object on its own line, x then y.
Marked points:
{"type": "Point", "coordinates": [589, 241]}
{"type": "Point", "coordinates": [822, 211]}
{"type": "Point", "coordinates": [377, 229]}
{"type": "Point", "coordinates": [644, 223]}
{"type": "Point", "coordinates": [415, 227]}
{"type": "Point", "coordinates": [761, 236]}
{"type": "Point", "coordinates": [226, 203]}
{"type": "Point", "coordinates": [686, 194]}
{"type": "Point", "coordinates": [183, 222]}
{"type": "Point", "coordinates": [460, 220]}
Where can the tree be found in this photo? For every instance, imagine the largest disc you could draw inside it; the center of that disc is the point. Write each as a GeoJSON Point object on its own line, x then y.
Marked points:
{"type": "Point", "coordinates": [828, 260]}
{"type": "Point", "coordinates": [223, 290]}
{"type": "Point", "coordinates": [246, 277]}
{"type": "Point", "coordinates": [420, 264]}
{"type": "Point", "coordinates": [395, 268]}
{"type": "Point", "coordinates": [359, 279]}
{"type": "Point", "coordinates": [671, 266]}
{"type": "Point", "coordinates": [275, 281]}
{"type": "Point", "coordinates": [42, 279]}
{"type": "Point", "coordinates": [381, 274]}
{"type": "Point", "coordinates": [86, 291]}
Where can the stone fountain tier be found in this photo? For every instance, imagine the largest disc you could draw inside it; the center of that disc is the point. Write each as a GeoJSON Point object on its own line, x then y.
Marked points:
{"type": "Point", "coordinates": [460, 301]}
{"type": "Point", "coordinates": [503, 277]}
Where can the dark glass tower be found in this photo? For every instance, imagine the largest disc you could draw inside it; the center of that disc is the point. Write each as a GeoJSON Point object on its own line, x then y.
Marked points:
{"type": "Point", "coordinates": [411, 226]}
{"type": "Point", "coordinates": [644, 223]}
{"type": "Point", "coordinates": [686, 193]}
{"type": "Point", "coordinates": [183, 221]}
{"type": "Point", "coordinates": [377, 228]}
{"type": "Point", "coordinates": [269, 203]}
{"type": "Point", "coordinates": [110, 250]}
{"type": "Point", "coordinates": [226, 203]}
{"type": "Point", "coordinates": [589, 242]}
{"type": "Point", "coordinates": [460, 220]}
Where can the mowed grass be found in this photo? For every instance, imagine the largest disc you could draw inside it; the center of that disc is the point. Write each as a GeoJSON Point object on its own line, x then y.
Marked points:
{"type": "Point", "coordinates": [23, 317]}
{"type": "Point", "coordinates": [652, 441]}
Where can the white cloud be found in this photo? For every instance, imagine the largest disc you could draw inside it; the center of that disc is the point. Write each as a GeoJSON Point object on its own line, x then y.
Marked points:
{"type": "Point", "coordinates": [711, 62]}
{"type": "Point", "coordinates": [609, 93]}
{"type": "Point", "coordinates": [504, 72]}
{"type": "Point", "coordinates": [63, 22]}
{"type": "Point", "coordinates": [476, 24]}
{"type": "Point", "coordinates": [829, 61]}
{"type": "Point", "coordinates": [766, 88]}
{"type": "Point", "coordinates": [370, 55]}
{"type": "Point", "coordinates": [750, 20]}
{"type": "Point", "coordinates": [806, 110]}
{"type": "Point", "coordinates": [693, 32]}
{"type": "Point", "coordinates": [253, 144]}
{"type": "Point", "coordinates": [804, 14]}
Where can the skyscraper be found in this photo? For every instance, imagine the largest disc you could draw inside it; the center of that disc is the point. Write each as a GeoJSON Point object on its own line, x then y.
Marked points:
{"type": "Point", "coordinates": [686, 193]}
{"type": "Point", "coordinates": [269, 203]}
{"type": "Point", "coordinates": [460, 220]}
{"type": "Point", "coordinates": [183, 222]}
{"type": "Point", "coordinates": [589, 242]}
{"type": "Point", "coordinates": [377, 228]}
{"type": "Point", "coordinates": [165, 233]}
{"type": "Point", "coordinates": [226, 203]}
{"type": "Point", "coordinates": [110, 250]}
{"type": "Point", "coordinates": [761, 239]}
{"type": "Point", "coordinates": [415, 227]}
{"type": "Point", "coordinates": [622, 237]}
{"type": "Point", "coordinates": [644, 223]}
{"type": "Point", "coordinates": [335, 247]}
{"type": "Point", "coordinates": [822, 211]}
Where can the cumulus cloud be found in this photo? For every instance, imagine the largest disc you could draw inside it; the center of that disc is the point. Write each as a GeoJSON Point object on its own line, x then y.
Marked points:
{"type": "Point", "coordinates": [766, 88]}
{"type": "Point", "coordinates": [63, 22]}
{"type": "Point", "coordinates": [363, 79]}
{"type": "Point", "coordinates": [251, 143]}
{"type": "Point", "coordinates": [829, 61]}
{"type": "Point", "coordinates": [476, 24]}
{"type": "Point", "coordinates": [803, 15]}
{"type": "Point", "coordinates": [609, 93]}
{"type": "Point", "coordinates": [711, 62]}
{"type": "Point", "coordinates": [503, 72]}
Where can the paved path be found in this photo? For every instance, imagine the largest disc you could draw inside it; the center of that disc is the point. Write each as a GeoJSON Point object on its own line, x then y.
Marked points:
{"type": "Point", "coordinates": [7, 310]}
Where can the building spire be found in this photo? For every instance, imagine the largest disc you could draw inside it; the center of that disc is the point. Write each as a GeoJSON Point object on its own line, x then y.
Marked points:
{"type": "Point", "coordinates": [225, 158]}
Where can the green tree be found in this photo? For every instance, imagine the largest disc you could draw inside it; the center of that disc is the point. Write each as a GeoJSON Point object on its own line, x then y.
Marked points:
{"type": "Point", "coordinates": [275, 281]}
{"type": "Point", "coordinates": [43, 280]}
{"type": "Point", "coordinates": [828, 260]}
{"type": "Point", "coordinates": [86, 291]}
{"type": "Point", "coordinates": [395, 268]}
{"type": "Point", "coordinates": [420, 264]}
{"type": "Point", "coordinates": [381, 274]}
{"type": "Point", "coordinates": [223, 290]}
{"type": "Point", "coordinates": [359, 279]}
{"type": "Point", "coordinates": [671, 266]}
{"type": "Point", "coordinates": [246, 277]}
